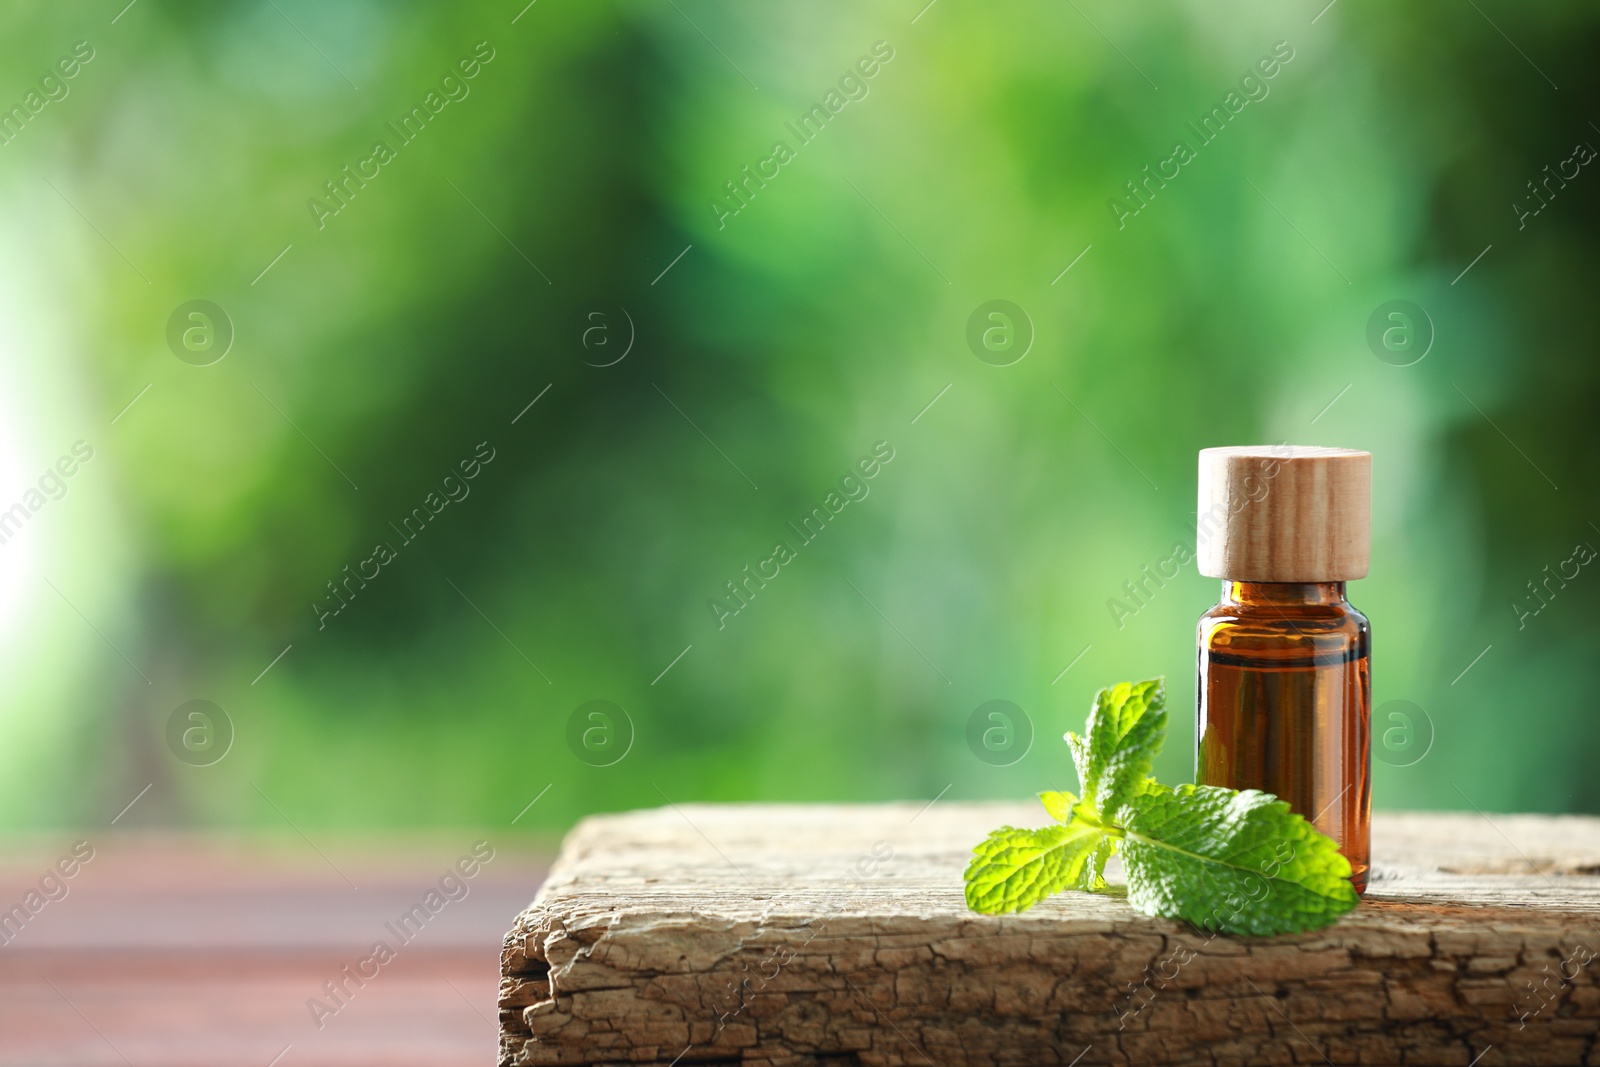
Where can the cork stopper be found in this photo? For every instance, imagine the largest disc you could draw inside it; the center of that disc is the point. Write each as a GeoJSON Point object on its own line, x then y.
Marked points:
{"type": "Point", "coordinates": [1284, 513]}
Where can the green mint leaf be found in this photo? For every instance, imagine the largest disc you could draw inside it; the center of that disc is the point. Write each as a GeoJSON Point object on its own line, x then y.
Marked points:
{"type": "Point", "coordinates": [1127, 724]}
{"type": "Point", "coordinates": [1238, 862]}
{"type": "Point", "coordinates": [1059, 805]}
{"type": "Point", "coordinates": [1012, 870]}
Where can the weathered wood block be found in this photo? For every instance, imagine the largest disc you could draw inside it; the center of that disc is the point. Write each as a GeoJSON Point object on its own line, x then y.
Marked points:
{"type": "Point", "coordinates": [839, 935]}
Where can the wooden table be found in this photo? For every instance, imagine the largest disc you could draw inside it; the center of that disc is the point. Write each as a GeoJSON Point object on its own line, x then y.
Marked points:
{"type": "Point", "coordinates": [838, 935]}
{"type": "Point", "coordinates": [202, 950]}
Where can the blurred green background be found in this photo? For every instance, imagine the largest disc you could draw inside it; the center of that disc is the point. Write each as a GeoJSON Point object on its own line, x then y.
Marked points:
{"type": "Point", "coordinates": [772, 350]}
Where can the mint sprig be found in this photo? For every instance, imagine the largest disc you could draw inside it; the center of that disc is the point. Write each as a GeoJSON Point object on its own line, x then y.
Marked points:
{"type": "Point", "coordinates": [1222, 859]}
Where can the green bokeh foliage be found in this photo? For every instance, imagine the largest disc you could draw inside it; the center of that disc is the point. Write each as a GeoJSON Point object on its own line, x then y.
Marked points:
{"type": "Point", "coordinates": [819, 320]}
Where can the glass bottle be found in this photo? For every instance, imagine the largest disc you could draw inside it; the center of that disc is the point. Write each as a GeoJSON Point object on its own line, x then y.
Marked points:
{"type": "Point", "coordinates": [1284, 688]}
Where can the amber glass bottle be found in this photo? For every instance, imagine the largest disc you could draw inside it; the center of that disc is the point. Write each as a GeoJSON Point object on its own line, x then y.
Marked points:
{"type": "Point", "coordinates": [1284, 687]}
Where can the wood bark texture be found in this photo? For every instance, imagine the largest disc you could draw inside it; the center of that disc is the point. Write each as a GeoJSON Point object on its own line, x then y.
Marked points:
{"type": "Point", "coordinates": [838, 935]}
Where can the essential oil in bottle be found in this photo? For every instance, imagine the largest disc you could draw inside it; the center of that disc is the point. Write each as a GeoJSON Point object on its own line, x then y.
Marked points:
{"type": "Point", "coordinates": [1284, 688]}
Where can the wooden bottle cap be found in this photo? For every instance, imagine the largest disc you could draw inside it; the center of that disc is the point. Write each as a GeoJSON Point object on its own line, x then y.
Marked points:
{"type": "Point", "coordinates": [1284, 513]}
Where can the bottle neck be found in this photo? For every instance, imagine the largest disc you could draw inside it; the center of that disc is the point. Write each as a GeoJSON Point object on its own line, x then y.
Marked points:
{"type": "Point", "coordinates": [1282, 592]}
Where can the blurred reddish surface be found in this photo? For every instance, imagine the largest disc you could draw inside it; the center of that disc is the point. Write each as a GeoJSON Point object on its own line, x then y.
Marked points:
{"type": "Point", "coordinates": [172, 951]}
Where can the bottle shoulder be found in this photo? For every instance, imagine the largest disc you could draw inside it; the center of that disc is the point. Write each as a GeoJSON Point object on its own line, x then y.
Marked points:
{"type": "Point", "coordinates": [1325, 626]}
{"type": "Point", "coordinates": [1336, 614]}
